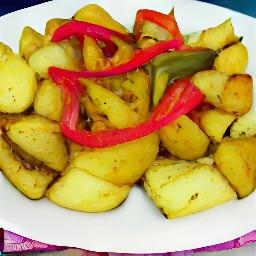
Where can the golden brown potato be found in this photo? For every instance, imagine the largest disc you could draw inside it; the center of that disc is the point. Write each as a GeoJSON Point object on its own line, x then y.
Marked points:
{"type": "Point", "coordinates": [218, 37]}
{"type": "Point", "coordinates": [48, 101]}
{"type": "Point", "coordinates": [237, 94]}
{"type": "Point", "coordinates": [81, 191]}
{"type": "Point", "coordinates": [121, 164]}
{"type": "Point", "coordinates": [41, 138]}
{"type": "Point", "coordinates": [215, 122]}
{"type": "Point", "coordinates": [236, 159]}
{"type": "Point", "coordinates": [211, 83]}
{"type": "Point", "coordinates": [232, 60]}
{"type": "Point", "coordinates": [184, 139]}
{"type": "Point", "coordinates": [185, 188]}
{"type": "Point", "coordinates": [17, 82]}
{"type": "Point", "coordinates": [32, 183]}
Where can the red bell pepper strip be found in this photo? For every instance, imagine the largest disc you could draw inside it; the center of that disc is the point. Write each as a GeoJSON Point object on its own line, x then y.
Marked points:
{"type": "Point", "coordinates": [165, 21]}
{"type": "Point", "coordinates": [81, 28]}
{"type": "Point", "coordinates": [184, 97]}
{"type": "Point", "coordinates": [139, 59]}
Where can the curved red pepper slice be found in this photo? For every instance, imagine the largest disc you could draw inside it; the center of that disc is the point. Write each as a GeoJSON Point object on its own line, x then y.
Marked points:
{"type": "Point", "coordinates": [183, 96]}
{"type": "Point", "coordinates": [165, 21]}
{"type": "Point", "coordinates": [139, 59]}
{"type": "Point", "coordinates": [78, 28]}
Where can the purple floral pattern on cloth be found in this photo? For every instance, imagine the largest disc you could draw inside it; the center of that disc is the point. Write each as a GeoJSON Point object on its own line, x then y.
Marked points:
{"type": "Point", "coordinates": [16, 243]}
{"type": "Point", "coordinates": [11, 242]}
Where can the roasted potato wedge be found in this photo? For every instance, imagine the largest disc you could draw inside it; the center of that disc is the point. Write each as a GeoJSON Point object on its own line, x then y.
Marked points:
{"type": "Point", "coordinates": [236, 159]}
{"type": "Point", "coordinates": [184, 139]}
{"type": "Point", "coordinates": [185, 188]}
{"type": "Point", "coordinates": [237, 95]}
{"type": "Point", "coordinates": [32, 183]}
{"type": "Point", "coordinates": [48, 101]}
{"type": "Point", "coordinates": [215, 122]}
{"type": "Point", "coordinates": [121, 164]}
{"type": "Point", "coordinates": [52, 24]}
{"type": "Point", "coordinates": [245, 126]}
{"type": "Point", "coordinates": [211, 83]}
{"type": "Point", "coordinates": [81, 191]}
{"type": "Point", "coordinates": [30, 41]}
{"type": "Point", "coordinates": [232, 60]}
{"type": "Point", "coordinates": [94, 58]}
{"type": "Point", "coordinates": [41, 138]}
{"type": "Point", "coordinates": [95, 14]}
{"type": "Point", "coordinates": [17, 82]}
{"type": "Point", "coordinates": [51, 54]}
{"type": "Point", "coordinates": [218, 37]}
{"type": "Point", "coordinates": [108, 103]}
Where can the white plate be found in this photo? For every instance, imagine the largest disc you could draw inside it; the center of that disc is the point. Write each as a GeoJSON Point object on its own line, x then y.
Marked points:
{"type": "Point", "coordinates": [137, 226]}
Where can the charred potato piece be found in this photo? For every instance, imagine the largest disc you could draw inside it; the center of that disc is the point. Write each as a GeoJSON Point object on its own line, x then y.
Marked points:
{"type": "Point", "coordinates": [236, 159]}
{"type": "Point", "coordinates": [81, 191]}
{"type": "Point", "coordinates": [233, 94]}
{"type": "Point", "coordinates": [184, 139]}
{"type": "Point", "coordinates": [32, 183]}
{"type": "Point", "coordinates": [185, 188]}
{"type": "Point", "coordinates": [41, 138]}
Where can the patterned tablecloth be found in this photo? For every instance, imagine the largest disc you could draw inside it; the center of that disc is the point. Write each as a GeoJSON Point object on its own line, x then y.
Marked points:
{"type": "Point", "coordinates": [13, 243]}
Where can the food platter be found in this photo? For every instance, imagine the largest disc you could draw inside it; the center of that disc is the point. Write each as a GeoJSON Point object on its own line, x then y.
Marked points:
{"type": "Point", "coordinates": [137, 226]}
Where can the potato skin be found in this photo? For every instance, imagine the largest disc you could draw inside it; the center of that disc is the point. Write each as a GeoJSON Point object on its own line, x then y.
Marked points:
{"type": "Point", "coordinates": [78, 190]}
{"type": "Point", "coordinates": [31, 183]}
{"type": "Point", "coordinates": [186, 188]}
{"type": "Point", "coordinates": [184, 139]}
{"type": "Point", "coordinates": [236, 159]}
{"type": "Point", "coordinates": [121, 164]}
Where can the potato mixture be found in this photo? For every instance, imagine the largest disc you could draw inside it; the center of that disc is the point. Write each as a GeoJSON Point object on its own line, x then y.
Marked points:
{"type": "Point", "coordinates": [89, 108]}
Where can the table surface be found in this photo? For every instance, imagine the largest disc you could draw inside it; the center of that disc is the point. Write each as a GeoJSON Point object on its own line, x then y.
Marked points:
{"type": "Point", "coordinates": [245, 6]}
